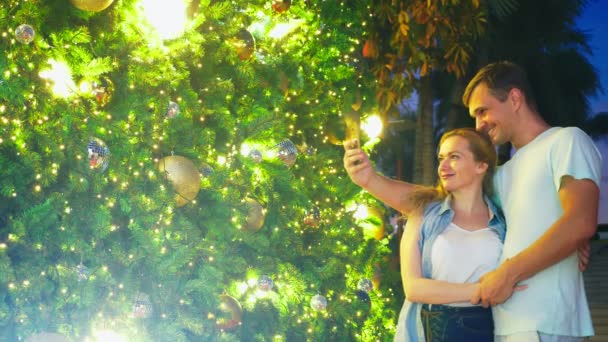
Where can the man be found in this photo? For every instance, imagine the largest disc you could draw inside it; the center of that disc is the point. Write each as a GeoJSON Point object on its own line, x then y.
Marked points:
{"type": "Point", "coordinates": [549, 192]}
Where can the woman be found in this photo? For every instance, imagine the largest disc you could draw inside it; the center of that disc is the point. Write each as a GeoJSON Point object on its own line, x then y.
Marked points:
{"type": "Point", "coordinates": [453, 236]}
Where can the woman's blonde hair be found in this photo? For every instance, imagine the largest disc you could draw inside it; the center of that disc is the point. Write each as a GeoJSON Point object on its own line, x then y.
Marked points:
{"type": "Point", "coordinates": [482, 149]}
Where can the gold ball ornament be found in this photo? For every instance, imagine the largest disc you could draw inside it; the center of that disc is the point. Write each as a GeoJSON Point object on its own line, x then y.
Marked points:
{"type": "Point", "coordinates": [281, 5]}
{"type": "Point", "coordinates": [373, 225]}
{"type": "Point", "coordinates": [313, 217]}
{"type": "Point", "coordinates": [377, 277]}
{"type": "Point", "coordinates": [244, 44]}
{"type": "Point", "coordinates": [335, 132]}
{"type": "Point", "coordinates": [183, 175]}
{"type": "Point", "coordinates": [91, 5]}
{"type": "Point", "coordinates": [255, 215]}
{"type": "Point", "coordinates": [102, 91]}
{"type": "Point", "coordinates": [230, 305]}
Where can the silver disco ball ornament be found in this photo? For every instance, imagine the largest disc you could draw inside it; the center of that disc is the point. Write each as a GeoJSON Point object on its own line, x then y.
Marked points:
{"type": "Point", "coordinates": [265, 283]}
{"type": "Point", "coordinates": [82, 272]}
{"type": "Point", "coordinates": [365, 285]}
{"type": "Point", "coordinates": [287, 152]}
{"type": "Point", "coordinates": [172, 110]}
{"type": "Point", "coordinates": [256, 155]}
{"type": "Point", "coordinates": [318, 302]}
{"type": "Point", "coordinates": [142, 306]}
{"type": "Point", "coordinates": [99, 155]}
{"type": "Point", "coordinates": [24, 33]}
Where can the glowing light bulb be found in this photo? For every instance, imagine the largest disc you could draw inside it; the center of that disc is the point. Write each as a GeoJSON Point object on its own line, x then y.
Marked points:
{"type": "Point", "coordinates": [280, 30]}
{"type": "Point", "coordinates": [61, 77]}
{"type": "Point", "coordinates": [85, 87]}
{"type": "Point", "coordinates": [372, 126]}
{"type": "Point", "coordinates": [245, 149]}
{"type": "Point", "coordinates": [168, 18]}
{"type": "Point", "coordinates": [361, 212]}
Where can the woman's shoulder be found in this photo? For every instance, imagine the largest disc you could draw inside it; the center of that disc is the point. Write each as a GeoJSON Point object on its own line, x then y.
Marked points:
{"type": "Point", "coordinates": [435, 211]}
{"type": "Point", "coordinates": [436, 207]}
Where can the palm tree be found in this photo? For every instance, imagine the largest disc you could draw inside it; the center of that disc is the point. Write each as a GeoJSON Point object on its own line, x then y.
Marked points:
{"type": "Point", "coordinates": [596, 126]}
{"type": "Point", "coordinates": [542, 38]}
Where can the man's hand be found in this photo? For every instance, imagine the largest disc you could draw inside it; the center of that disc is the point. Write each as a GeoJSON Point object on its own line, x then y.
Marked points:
{"type": "Point", "coordinates": [495, 287]}
{"type": "Point", "coordinates": [584, 254]}
{"type": "Point", "coordinates": [357, 164]}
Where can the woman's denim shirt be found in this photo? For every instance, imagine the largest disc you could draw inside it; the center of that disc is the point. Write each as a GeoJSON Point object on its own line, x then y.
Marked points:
{"type": "Point", "coordinates": [436, 217]}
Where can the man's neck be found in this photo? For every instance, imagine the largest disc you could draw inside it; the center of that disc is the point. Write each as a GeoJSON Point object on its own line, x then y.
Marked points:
{"type": "Point", "coordinates": [528, 128]}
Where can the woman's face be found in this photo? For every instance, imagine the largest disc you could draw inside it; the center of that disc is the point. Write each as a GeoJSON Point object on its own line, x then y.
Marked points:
{"type": "Point", "coordinates": [458, 168]}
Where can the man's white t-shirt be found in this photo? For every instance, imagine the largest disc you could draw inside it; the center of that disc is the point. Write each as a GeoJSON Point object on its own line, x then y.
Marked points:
{"type": "Point", "coordinates": [527, 190]}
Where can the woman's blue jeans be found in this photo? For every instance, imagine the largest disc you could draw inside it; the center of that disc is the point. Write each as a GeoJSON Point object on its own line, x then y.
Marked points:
{"type": "Point", "coordinates": [444, 323]}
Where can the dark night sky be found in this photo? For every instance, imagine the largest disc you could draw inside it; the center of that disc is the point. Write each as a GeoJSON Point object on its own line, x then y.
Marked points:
{"type": "Point", "coordinates": [594, 21]}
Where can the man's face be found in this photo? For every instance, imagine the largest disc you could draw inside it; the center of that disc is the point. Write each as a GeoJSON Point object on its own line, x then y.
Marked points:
{"type": "Point", "coordinates": [491, 115]}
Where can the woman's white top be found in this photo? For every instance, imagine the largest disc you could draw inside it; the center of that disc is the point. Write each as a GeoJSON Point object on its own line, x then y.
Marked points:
{"type": "Point", "coordinates": [462, 256]}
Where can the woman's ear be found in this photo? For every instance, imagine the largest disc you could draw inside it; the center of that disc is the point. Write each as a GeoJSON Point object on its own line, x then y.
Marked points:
{"type": "Point", "coordinates": [482, 167]}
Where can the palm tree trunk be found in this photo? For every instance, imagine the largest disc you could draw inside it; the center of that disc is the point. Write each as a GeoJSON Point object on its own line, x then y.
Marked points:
{"type": "Point", "coordinates": [454, 114]}
{"type": "Point", "coordinates": [424, 157]}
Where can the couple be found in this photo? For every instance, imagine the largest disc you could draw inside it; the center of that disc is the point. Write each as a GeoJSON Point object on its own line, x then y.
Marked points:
{"type": "Point", "coordinates": [468, 278]}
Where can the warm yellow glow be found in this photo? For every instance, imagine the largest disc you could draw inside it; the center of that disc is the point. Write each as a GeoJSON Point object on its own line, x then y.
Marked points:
{"type": "Point", "coordinates": [259, 27]}
{"type": "Point", "coordinates": [85, 87]}
{"type": "Point", "coordinates": [259, 294]}
{"type": "Point", "coordinates": [221, 160]}
{"type": "Point", "coordinates": [361, 212]}
{"type": "Point", "coordinates": [61, 77]}
{"type": "Point", "coordinates": [280, 30]}
{"type": "Point", "coordinates": [372, 126]}
{"type": "Point", "coordinates": [245, 149]}
{"type": "Point", "coordinates": [252, 280]}
{"type": "Point", "coordinates": [242, 287]}
{"type": "Point", "coordinates": [108, 335]}
{"type": "Point", "coordinates": [168, 18]}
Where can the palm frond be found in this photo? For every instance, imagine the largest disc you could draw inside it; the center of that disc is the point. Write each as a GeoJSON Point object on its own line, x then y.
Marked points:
{"type": "Point", "coordinates": [502, 8]}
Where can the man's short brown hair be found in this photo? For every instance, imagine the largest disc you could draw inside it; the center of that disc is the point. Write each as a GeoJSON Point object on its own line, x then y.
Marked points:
{"type": "Point", "coordinates": [500, 78]}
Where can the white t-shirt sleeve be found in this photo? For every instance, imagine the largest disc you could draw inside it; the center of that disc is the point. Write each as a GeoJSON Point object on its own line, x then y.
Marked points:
{"type": "Point", "coordinates": [574, 154]}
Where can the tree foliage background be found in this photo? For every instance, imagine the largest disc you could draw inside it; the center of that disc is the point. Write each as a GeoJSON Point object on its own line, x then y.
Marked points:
{"type": "Point", "coordinates": [253, 93]}
{"type": "Point", "coordinates": [84, 250]}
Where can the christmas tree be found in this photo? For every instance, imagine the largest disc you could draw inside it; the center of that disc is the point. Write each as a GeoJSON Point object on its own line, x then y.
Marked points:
{"type": "Point", "coordinates": [172, 171]}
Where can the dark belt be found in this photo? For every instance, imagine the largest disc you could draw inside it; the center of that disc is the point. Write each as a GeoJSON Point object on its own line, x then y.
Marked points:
{"type": "Point", "coordinates": [432, 311]}
{"type": "Point", "coordinates": [453, 309]}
